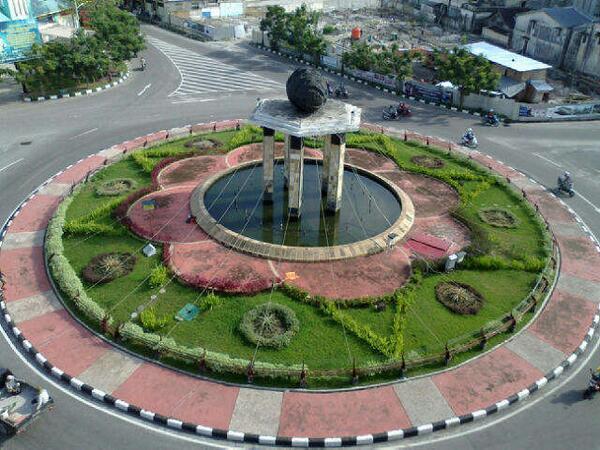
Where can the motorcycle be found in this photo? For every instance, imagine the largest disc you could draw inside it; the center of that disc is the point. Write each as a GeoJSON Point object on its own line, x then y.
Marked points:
{"type": "Point", "coordinates": [593, 386]}
{"type": "Point", "coordinates": [491, 121]}
{"type": "Point", "coordinates": [143, 65]}
{"type": "Point", "coordinates": [564, 186]}
{"type": "Point", "coordinates": [472, 143]}
{"type": "Point", "coordinates": [341, 92]}
{"type": "Point", "coordinates": [393, 112]}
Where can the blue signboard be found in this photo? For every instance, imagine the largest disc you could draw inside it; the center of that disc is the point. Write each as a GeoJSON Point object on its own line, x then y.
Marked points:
{"type": "Point", "coordinates": [16, 39]}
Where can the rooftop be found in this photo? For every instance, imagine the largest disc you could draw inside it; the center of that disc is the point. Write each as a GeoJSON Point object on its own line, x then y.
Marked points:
{"type": "Point", "coordinates": [505, 58]}
{"type": "Point", "coordinates": [568, 17]}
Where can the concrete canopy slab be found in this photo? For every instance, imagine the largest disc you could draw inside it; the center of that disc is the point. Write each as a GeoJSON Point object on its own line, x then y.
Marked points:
{"type": "Point", "coordinates": [34, 306]}
{"type": "Point", "coordinates": [23, 240]}
{"type": "Point", "coordinates": [281, 115]}
{"type": "Point", "coordinates": [537, 352]}
{"type": "Point", "coordinates": [257, 411]}
{"type": "Point", "coordinates": [422, 401]}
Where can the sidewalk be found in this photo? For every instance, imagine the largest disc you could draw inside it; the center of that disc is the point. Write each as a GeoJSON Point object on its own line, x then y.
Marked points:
{"type": "Point", "coordinates": [478, 388]}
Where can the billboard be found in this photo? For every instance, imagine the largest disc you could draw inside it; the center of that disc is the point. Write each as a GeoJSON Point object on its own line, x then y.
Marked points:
{"type": "Point", "coordinates": [16, 39]}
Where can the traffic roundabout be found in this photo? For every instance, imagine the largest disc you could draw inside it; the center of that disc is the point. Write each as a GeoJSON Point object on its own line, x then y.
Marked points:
{"type": "Point", "coordinates": [45, 328]}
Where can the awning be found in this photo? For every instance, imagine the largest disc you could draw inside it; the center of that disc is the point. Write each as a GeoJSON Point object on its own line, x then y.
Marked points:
{"type": "Point", "coordinates": [541, 86]}
{"type": "Point", "coordinates": [510, 87]}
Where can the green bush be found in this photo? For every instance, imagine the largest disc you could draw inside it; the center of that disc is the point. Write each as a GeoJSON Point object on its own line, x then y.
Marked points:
{"type": "Point", "coordinates": [87, 224]}
{"type": "Point", "coordinates": [247, 135]}
{"type": "Point", "coordinates": [269, 325]}
{"type": "Point", "coordinates": [329, 29]}
{"type": "Point", "coordinates": [210, 301]}
{"type": "Point", "coordinates": [150, 321]}
{"type": "Point", "coordinates": [145, 163]}
{"type": "Point", "coordinates": [158, 276]}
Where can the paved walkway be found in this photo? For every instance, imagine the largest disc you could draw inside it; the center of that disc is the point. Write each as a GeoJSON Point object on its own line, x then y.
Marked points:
{"type": "Point", "coordinates": [485, 382]}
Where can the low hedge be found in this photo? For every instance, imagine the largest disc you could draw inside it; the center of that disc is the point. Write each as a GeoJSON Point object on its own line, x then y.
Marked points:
{"type": "Point", "coordinates": [63, 274]}
{"type": "Point", "coordinates": [220, 363]}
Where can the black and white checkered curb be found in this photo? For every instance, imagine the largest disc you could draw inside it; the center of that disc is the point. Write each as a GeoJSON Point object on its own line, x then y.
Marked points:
{"type": "Point", "coordinates": [237, 436]}
{"type": "Point", "coordinates": [120, 80]}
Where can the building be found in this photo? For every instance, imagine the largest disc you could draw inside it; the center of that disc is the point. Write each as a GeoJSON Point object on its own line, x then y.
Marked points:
{"type": "Point", "coordinates": [583, 53]}
{"type": "Point", "coordinates": [521, 78]}
{"type": "Point", "coordinates": [590, 7]}
{"type": "Point", "coordinates": [499, 26]}
{"type": "Point", "coordinates": [546, 34]}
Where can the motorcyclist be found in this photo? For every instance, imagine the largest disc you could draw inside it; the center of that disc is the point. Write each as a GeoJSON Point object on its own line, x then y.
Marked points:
{"type": "Point", "coordinates": [565, 182]}
{"type": "Point", "coordinates": [329, 89]}
{"type": "Point", "coordinates": [403, 109]}
{"type": "Point", "coordinates": [12, 385]}
{"type": "Point", "coordinates": [491, 117]}
{"type": "Point", "coordinates": [341, 90]}
{"type": "Point", "coordinates": [469, 136]}
{"type": "Point", "coordinates": [143, 63]}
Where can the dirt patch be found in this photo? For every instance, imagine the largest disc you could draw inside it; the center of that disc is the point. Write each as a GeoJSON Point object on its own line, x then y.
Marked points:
{"type": "Point", "coordinates": [206, 146]}
{"type": "Point", "coordinates": [107, 267]}
{"type": "Point", "coordinates": [498, 217]}
{"type": "Point", "coordinates": [458, 297]}
{"type": "Point", "coordinates": [430, 162]}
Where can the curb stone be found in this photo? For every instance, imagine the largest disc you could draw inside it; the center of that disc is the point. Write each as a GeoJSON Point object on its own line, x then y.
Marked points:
{"type": "Point", "coordinates": [120, 80]}
{"type": "Point", "coordinates": [235, 436]}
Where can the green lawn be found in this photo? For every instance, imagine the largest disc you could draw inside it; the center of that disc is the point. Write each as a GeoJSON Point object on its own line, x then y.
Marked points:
{"type": "Point", "coordinates": [321, 342]}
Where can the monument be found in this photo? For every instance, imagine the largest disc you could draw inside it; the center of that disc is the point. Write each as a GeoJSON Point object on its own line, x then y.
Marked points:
{"type": "Point", "coordinates": [307, 112]}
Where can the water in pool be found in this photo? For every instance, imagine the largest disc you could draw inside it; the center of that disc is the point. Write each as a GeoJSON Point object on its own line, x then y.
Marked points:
{"type": "Point", "coordinates": [368, 208]}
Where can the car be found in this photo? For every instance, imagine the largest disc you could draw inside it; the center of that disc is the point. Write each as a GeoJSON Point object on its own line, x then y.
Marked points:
{"type": "Point", "coordinates": [20, 403]}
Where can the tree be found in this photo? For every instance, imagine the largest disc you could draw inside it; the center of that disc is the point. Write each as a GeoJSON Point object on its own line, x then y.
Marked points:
{"type": "Point", "coordinates": [275, 25]}
{"type": "Point", "coordinates": [5, 73]}
{"type": "Point", "coordinates": [63, 64]}
{"type": "Point", "coordinates": [117, 29]}
{"type": "Point", "coordinates": [470, 73]}
{"type": "Point", "coordinates": [386, 60]}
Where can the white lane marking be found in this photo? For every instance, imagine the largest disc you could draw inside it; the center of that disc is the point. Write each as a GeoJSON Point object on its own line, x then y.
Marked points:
{"type": "Point", "coordinates": [548, 160]}
{"type": "Point", "coordinates": [597, 209]}
{"type": "Point", "coordinates": [145, 89]}
{"type": "Point", "coordinates": [194, 100]}
{"type": "Point", "coordinates": [11, 164]}
{"type": "Point", "coordinates": [83, 134]}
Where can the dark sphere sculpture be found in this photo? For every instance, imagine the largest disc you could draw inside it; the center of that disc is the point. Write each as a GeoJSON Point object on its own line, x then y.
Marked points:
{"type": "Point", "coordinates": [306, 90]}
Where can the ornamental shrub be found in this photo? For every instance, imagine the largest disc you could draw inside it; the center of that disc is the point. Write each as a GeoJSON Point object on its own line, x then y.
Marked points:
{"type": "Point", "coordinates": [210, 301]}
{"type": "Point", "coordinates": [150, 320]}
{"type": "Point", "coordinates": [269, 325]}
{"type": "Point", "coordinates": [158, 276]}
{"type": "Point", "coordinates": [247, 135]}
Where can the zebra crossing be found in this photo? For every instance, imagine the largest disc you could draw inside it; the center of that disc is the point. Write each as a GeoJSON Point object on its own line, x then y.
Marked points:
{"type": "Point", "coordinates": [202, 75]}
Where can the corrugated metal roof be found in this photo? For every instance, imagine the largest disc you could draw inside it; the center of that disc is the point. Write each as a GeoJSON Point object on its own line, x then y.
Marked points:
{"type": "Point", "coordinates": [510, 87]}
{"type": "Point", "coordinates": [505, 58]}
{"type": "Point", "coordinates": [541, 86]}
{"type": "Point", "coordinates": [568, 17]}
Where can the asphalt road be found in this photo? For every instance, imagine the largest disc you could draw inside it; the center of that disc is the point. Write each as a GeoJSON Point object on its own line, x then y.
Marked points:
{"type": "Point", "coordinates": [39, 139]}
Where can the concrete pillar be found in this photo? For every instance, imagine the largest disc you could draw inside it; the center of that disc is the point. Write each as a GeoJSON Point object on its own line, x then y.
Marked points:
{"type": "Point", "coordinates": [326, 155]}
{"type": "Point", "coordinates": [296, 176]}
{"type": "Point", "coordinates": [268, 155]}
{"type": "Point", "coordinates": [335, 172]}
{"type": "Point", "coordinates": [286, 160]}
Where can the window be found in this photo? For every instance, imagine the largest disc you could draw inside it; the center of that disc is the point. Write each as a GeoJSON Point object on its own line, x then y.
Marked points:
{"type": "Point", "coordinates": [532, 24]}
